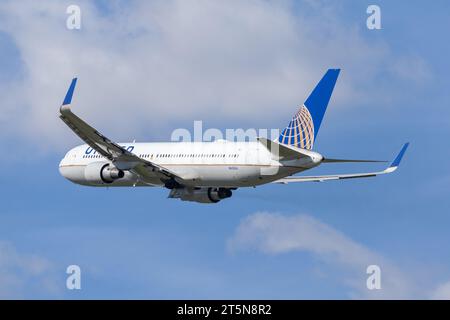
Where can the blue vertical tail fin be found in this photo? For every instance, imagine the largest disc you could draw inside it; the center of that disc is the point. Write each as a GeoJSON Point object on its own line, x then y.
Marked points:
{"type": "Point", "coordinates": [304, 126]}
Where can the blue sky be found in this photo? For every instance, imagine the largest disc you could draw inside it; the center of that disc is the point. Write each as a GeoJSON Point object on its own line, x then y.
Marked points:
{"type": "Point", "coordinates": [146, 68]}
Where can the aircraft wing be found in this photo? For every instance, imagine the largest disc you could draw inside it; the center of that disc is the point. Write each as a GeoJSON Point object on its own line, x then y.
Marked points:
{"type": "Point", "coordinates": [122, 158]}
{"type": "Point", "coordinates": [392, 167]}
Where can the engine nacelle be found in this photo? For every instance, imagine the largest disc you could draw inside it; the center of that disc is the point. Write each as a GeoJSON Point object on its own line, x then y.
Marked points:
{"type": "Point", "coordinates": [102, 172]}
{"type": "Point", "coordinates": [202, 195]}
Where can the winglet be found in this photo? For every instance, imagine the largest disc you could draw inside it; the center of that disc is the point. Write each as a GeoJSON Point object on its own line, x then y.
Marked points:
{"type": "Point", "coordinates": [394, 165]}
{"type": "Point", "coordinates": [399, 157]}
{"type": "Point", "coordinates": [69, 94]}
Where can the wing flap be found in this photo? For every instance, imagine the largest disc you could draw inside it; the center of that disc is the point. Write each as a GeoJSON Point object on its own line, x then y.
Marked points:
{"type": "Point", "coordinates": [92, 137]}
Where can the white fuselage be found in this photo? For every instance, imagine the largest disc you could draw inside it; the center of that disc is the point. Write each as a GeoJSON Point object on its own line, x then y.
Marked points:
{"type": "Point", "coordinates": [204, 164]}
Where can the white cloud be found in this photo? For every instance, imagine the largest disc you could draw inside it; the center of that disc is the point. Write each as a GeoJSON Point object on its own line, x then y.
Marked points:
{"type": "Point", "coordinates": [277, 234]}
{"type": "Point", "coordinates": [146, 63]}
{"type": "Point", "coordinates": [442, 292]}
{"type": "Point", "coordinates": [25, 275]}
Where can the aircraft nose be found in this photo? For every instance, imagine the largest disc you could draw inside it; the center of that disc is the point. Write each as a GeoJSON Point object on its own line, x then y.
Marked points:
{"type": "Point", "coordinates": [61, 166]}
{"type": "Point", "coordinates": [61, 163]}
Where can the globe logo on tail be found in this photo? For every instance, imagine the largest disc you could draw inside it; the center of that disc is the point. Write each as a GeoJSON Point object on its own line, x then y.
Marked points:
{"type": "Point", "coordinates": [300, 131]}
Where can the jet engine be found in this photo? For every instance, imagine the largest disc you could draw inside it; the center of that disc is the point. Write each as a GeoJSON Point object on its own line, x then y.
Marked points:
{"type": "Point", "coordinates": [202, 195]}
{"type": "Point", "coordinates": [102, 172]}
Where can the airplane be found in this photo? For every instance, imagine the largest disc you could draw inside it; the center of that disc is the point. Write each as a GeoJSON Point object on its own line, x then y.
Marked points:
{"type": "Point", "coordinates": [207, 172]}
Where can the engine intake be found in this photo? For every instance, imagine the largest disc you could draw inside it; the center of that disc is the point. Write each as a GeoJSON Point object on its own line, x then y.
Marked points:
{"type": "Point", "coordinates": [101, 172]}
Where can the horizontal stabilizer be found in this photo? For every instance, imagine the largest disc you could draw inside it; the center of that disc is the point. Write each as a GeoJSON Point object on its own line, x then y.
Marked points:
{"type": "Point", "coordinates": [392, 167]}
{"type": "Point", "coordinates": [328, 160]}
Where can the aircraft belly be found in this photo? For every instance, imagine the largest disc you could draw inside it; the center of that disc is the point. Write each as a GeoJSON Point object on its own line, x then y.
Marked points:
{"type": "Point", "coordinates": [224, 176]}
